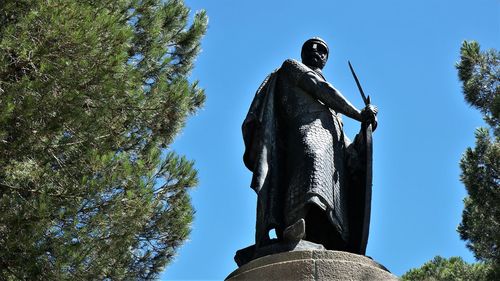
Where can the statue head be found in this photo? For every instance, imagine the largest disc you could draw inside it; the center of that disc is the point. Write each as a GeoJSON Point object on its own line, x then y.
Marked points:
{"type": "Point", "coordinates": [315, 53]}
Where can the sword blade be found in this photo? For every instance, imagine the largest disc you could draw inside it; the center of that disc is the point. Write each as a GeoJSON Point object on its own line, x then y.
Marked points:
{"type": "Point", "coordinates": [358, 84]}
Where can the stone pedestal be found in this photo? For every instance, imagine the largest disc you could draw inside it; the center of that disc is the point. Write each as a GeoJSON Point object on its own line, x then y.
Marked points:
{"type": "Point", "coordinates": [312, 265]}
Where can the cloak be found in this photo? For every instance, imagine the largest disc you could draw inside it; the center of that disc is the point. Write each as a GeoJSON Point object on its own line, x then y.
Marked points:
{"type": "Point", "coordinates": [260, 130]}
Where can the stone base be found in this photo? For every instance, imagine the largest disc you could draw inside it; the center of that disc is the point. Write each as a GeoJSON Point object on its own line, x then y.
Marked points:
{"type": "Point", "coordinates": [312, 265]}
{"type": "Point", "coordinates": [247, 254]}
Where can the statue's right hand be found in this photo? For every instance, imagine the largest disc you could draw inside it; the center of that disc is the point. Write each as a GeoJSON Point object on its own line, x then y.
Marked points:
{"type": "Point", "coordinates": [369, 112]}
{"type": "Point", "coordinates": [369, 115]}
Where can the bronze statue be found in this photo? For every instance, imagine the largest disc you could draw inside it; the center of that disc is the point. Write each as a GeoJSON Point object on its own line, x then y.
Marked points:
{"type": "Point", "coordinates": [312, 183]}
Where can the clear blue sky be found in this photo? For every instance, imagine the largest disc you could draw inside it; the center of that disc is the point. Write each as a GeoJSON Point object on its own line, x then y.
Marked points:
{"type": "Point", "coordinates": [404, 54]}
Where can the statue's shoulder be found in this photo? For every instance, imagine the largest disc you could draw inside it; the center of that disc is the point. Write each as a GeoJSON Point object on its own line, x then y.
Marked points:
{"type": "Point", "coordinates": [294, 65]}
{"type": "Point", "coordinates": [294, 69]}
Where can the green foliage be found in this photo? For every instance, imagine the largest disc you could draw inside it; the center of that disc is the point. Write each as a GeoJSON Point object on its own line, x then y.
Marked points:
{"type": "Point", "coordinates": [480, 226]}
{"type": "Point", "coordinates": [481, 216]}
{"type": "Point", "coordinates": [91, 93]}
{"type": "Point", "coordinates": [480, 74]}
{"type": "Point", "coordinates": [452, 269]}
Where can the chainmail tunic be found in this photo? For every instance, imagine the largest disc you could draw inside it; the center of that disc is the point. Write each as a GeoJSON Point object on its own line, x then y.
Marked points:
{"type": "Point", "coordinates": [314, 147]}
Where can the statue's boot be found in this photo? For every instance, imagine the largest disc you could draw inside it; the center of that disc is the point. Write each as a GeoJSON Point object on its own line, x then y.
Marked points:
{"type": "Point", "coordinates": [295, 232]}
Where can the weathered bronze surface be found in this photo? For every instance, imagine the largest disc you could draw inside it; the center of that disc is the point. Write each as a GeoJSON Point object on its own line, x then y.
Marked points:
{"type": "Point", "coordinates": [312, 182]}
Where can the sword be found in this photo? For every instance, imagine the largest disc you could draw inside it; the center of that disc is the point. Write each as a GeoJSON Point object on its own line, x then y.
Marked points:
{"type": "Point", "coordinates": [365, 99]}
{"type": "Point", "coordinates": [364, 201]}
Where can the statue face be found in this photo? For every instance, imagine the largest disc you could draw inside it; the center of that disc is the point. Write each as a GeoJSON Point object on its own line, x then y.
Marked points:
{"type": "Point", "coordinates": [315, 55]}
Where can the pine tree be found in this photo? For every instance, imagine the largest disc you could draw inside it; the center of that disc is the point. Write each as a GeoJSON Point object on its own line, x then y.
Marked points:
{"type": "Point", "coordinates": [480, 227]}
{"type": "Point", "coordinates": [92, 93]}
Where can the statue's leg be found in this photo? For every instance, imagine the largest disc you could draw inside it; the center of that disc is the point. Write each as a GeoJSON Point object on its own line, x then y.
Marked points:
{"type": "Point", "coordinates": [296, 229]}
{"type": "Point", "coordinates": [320, 230]}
